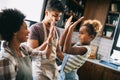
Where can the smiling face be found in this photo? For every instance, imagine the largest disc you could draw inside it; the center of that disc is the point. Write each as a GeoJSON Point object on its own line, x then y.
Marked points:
{"type": "Point", "coordinates": [22, 34]}
{"type": "Point", "coordinates": [84, 37]}
{"type": "Point", "coordinates": [53, 15]}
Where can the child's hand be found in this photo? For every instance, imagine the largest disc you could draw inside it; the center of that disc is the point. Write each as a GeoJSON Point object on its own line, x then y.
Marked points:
{"type": "Point", "coordinates": [75, 23]}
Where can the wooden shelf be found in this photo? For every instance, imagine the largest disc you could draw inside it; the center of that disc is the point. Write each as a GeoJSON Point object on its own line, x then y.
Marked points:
{"type": "Point", "coordinates": [110, 25]}
{"type": "Point", "coordinates": [77, 3]}
{"type": "Point", "coordinates": [115, 1]}
{"type": "Point", "coordinates": [114, 12]}
{"type": "Point", "coordinates": [107, 37]}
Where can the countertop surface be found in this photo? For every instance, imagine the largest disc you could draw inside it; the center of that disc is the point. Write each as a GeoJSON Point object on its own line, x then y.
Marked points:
{"type": "Point", "coordinates": [105, 64]}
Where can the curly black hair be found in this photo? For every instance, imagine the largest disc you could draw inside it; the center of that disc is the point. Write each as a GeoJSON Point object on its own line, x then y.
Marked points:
{"type": "Point", "coordinates": [10, 22]}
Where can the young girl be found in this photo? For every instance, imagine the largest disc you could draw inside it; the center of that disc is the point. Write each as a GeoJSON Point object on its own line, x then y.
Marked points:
{"type": "Point", "coordinates": [78, 53]}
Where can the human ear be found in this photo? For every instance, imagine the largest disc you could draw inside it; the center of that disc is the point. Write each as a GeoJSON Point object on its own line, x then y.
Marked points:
{"type": "Point", "coordinates": [92, 37]}
{"type": "Point", "coordinates": [46, 12]}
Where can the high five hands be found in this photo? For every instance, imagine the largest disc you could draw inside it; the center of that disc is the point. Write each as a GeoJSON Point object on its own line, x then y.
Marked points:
{"type": "Point", "coordinates": [52, 31]}
{"type": "Point", "coordinates": [50, 38]}
{"type": "Point", "coordinates": [69, 24]}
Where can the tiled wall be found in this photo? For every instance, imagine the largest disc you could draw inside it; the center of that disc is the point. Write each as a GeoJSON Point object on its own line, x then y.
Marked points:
{"type": "Point", "coordinates": [105, 46]}
{"type": "Point", "coordinates": [75, 35]}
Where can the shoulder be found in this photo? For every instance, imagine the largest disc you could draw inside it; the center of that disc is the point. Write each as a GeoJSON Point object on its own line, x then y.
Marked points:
{"type": "Point", "coordinates": [27, 50]}
{"type": "Point", "coordinates": [36, 26]}
{"type": "Point", "coordinates": [87, 46]}
{"type": "Point", "coordinates": [88, 51]}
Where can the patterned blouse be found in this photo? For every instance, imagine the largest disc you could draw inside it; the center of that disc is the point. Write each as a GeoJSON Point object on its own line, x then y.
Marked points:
{"type": "Point", "coordinates": [9, 65]}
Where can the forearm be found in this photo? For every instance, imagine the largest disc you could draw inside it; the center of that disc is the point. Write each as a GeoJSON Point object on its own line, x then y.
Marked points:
{"type": "Point", "coordinates": [67, 44]}
{"type": "Point", "coordinates": [43, 46]}
{"type": "Point", "coordinates": [48, 50]}
{"type": "Point", "coordinates": [67, 25]}
{"type": "Point", "coordinates": [59, 52]}
{"type": "Point", "coordinates": [60, 55]}
{"type": "Point", "coordinates": [63, 36]}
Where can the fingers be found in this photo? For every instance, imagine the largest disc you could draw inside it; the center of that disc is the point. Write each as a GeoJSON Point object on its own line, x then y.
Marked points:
{"type": "Point", "coordinates": [69, 22]}
{"type": "Point", "coordinates": [52, 27]}
{"type": "Point", "coordinates": [78, 21]}
{"type": "Point", "coordinates": [53, 23]}
{"type": "Point", "coordinates": [70, 19]}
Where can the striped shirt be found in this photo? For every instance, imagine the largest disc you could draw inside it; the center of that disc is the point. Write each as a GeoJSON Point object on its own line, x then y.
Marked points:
{"type": "Point", "coordinates": [73, 62]}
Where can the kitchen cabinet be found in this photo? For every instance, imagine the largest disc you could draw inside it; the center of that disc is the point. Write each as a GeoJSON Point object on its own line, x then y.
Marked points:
{"type": "Point", "coordinates": [106, 11]}
{"type": "Point", "coordinates": [90, 9]}
{"type": "Point", "coordinates": [111, 75]}
{"type": "Point", "coordinates": [92, 71]}
{"type": "Point", "coordinates": [74, 8]}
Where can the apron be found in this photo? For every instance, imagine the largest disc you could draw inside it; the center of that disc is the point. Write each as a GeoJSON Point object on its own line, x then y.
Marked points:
{"type": "Point", "coordinates": [24, 67]}
{"type": "Point", "coordinates": [49, 66]}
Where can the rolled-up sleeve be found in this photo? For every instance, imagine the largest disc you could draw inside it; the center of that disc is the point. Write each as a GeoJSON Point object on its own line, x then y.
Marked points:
{"type": "Point", "coordinates": [34, 52]}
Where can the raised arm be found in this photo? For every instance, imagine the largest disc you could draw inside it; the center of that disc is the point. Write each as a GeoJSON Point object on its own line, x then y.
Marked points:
{"type": "Point", "coordinates": [67, 44]}
{"type": "Point", "coordinates": [63, 35]}
{"type": "Point", "coordinates": [47, 45]}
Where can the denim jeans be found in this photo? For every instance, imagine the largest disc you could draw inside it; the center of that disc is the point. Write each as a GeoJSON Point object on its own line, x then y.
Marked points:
{"type": "Point", "coordinates": [67, 76]}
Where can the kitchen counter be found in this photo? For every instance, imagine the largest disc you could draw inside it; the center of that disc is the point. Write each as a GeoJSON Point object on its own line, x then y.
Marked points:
{"type": "Point", "coordinates": [95, 61]}
{"type": "Point", "coordinates": [94, 70]}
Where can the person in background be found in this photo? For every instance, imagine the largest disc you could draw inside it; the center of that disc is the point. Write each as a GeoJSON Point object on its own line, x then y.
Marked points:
{"type": "Point", "coordinates": [15, 57]}
{"type": "Point", "coordinates": [48, 70]}
{"type": "Point", "coordinates": [77, 54]}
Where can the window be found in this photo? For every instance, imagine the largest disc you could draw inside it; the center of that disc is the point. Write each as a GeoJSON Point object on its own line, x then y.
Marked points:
{"type": "Point", "coordinates": [116, 45]}
{"type": "Point", "coordinates": [31, 8]}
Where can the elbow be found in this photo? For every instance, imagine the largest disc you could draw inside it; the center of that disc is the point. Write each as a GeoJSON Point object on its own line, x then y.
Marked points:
{"type": "Point", "coordinates": [84, 51]}
{"type": "Point", "coordinates": [66, 50]}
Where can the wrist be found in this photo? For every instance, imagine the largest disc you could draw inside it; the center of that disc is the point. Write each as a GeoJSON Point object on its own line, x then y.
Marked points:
{"type": "Point", "coordinates": [49, 44]}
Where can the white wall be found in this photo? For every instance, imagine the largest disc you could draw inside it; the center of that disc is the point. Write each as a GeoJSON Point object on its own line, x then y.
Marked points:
{"type": "Point", "coordinates": [31, 8]}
